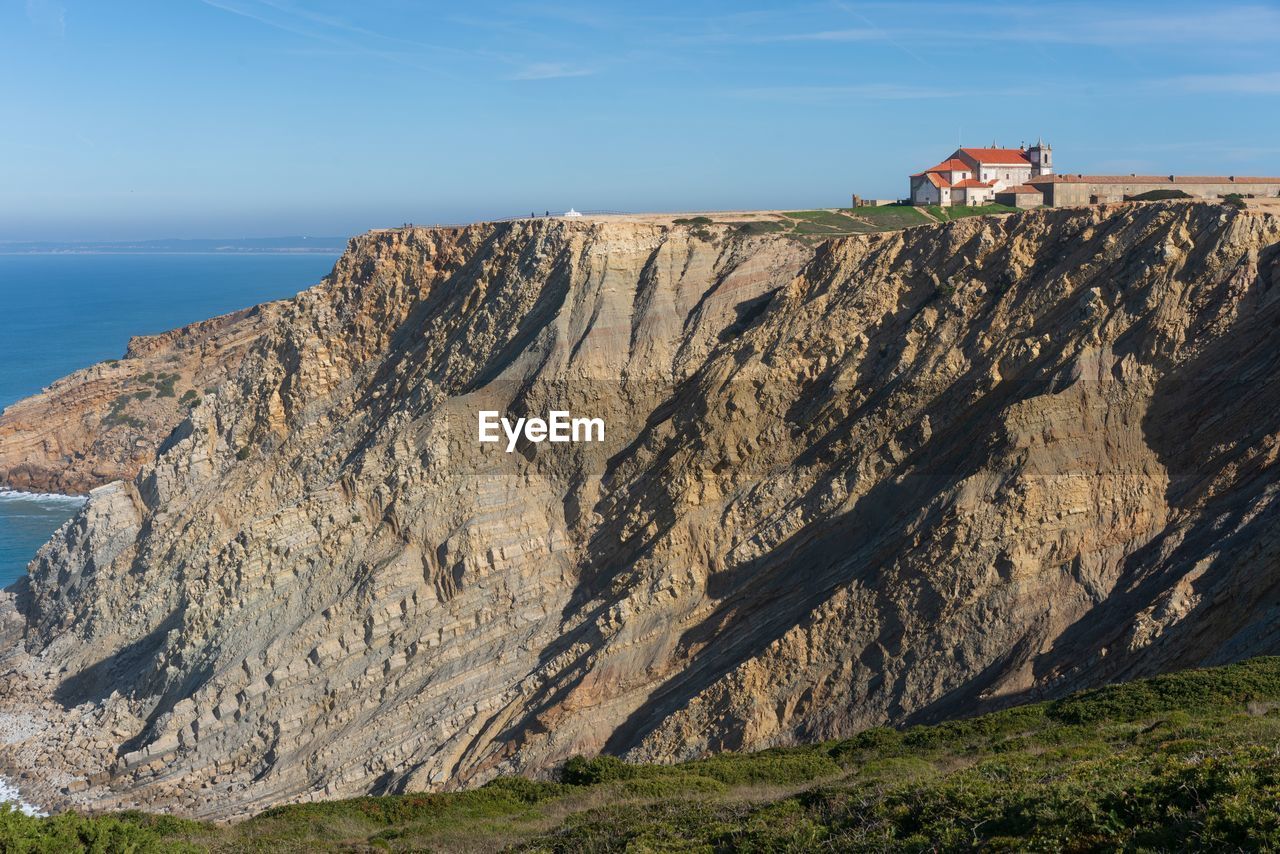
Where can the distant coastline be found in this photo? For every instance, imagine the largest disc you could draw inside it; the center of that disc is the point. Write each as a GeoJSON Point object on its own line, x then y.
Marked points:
{"type": "Point", "coordinates": [294, 245]}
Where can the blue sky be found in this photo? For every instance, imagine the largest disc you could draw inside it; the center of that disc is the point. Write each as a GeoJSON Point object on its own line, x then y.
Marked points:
{"type": "Point", "coordinates": [183, 118]}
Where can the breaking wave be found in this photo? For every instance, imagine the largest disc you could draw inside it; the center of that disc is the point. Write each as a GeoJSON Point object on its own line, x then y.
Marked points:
{"type": "Point", "coordinates": [10, 795]}
{"type": "Point", "coordinates": [41, 499]}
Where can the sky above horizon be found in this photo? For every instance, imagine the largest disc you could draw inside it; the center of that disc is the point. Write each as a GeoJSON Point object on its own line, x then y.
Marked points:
{"type": "Point", "coordinates": [229, 118]}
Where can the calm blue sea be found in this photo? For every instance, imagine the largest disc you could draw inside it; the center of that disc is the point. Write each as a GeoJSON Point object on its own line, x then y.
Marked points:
{"type": "Point", "coordinates": [63, 312]}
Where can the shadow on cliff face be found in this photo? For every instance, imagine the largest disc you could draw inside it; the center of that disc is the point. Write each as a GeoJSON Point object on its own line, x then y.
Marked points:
{"type": "Point", "coordinates": [1205, 588]}
{"type": "Point", "coordinates": [759, 601]}
{"type": "Point", "coordinates": [768, 597]}
{"type": "Point", "coordinates": [1209, 583]}
{"type": "Point", "coordinates": [97, 681]}
{"type": "Point", "coordinates": [436, 341]}
{"type": "Point", "coordinates": [14, 613]}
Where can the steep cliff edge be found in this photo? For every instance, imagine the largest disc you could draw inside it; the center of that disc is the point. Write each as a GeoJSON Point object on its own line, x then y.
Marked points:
{"type": "Point", "coordinates": [890, 478]}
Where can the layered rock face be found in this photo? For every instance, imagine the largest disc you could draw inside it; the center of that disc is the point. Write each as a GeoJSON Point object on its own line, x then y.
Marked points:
{"type": "Point", "coordinates": [103, 423]}
{"type": "Point", "coordinates": [884, 479]}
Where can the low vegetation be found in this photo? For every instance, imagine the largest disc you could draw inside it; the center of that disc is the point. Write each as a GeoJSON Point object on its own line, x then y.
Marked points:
{"type": "Point", "coordinates": [117, 416]}
{"type": "Point", "coordinates": [1186, 761]}
{"type": "Point", "coordinates": [961, 211]}
{"type": "Point", "coordinates": [817, 225]}
{"type": "Point", "coordinates": [158, 385]}
{"type": "Point", "coordinates": [1158, 196]}
{"type": "Point", "coordinates": [827, 223]}
{"type": "Point", "coordinates": [760, 226]}
{"type": "Point", "coordinates": [890, 217]}
{"type": "Point", "coordinates": [165, 385]}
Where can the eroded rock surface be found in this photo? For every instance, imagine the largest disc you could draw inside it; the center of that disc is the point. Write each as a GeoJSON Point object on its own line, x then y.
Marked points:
{"type": "Point", "coordinates": [105, 422]}
{"type": "Point", "coordinates": [886, 479]}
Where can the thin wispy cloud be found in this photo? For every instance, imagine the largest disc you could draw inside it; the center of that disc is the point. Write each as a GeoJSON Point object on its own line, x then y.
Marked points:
{"type": "Point", "coordinates": [853, 35]}
{"type": "Point", "coordinates": [1207, 26]}
{"type": "Point", "coordinates": [724, 37]}
{"type": "Point", "coordinates": [330, 30]}
{"type": "Point", "coordinates": [1139, 156]}
{"type": "Point", "coordinates": [342, 25]}
{"type": "Point", "coordinates": [909, 25]}
{"type": "Point", "coordinates": [898, 42]}
{"type": "Point", "coordinates": [1260, 83]}
{"type": "Point", "coordinates": [863, 91]}
{"type": "Point", "coordinates": [343, 37]}
{"type": "Point", "coordinates": [48, 15]}
{"type": "Point", "coordinates": [262, 14]}
{"type": "Point", "coordinates": [550, 71]}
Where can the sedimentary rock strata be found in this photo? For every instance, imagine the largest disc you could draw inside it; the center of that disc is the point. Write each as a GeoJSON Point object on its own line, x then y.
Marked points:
{"type": "Point", "coordinates": [104, 422]}
{"type": "Point", "coordinates": [879, 479]}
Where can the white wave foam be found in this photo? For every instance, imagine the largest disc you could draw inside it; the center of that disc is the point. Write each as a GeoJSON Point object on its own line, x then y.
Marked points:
{"type": "Point", "coordinates": [10, 795]}
{"type": "Point", "coordinates": [47, 499]}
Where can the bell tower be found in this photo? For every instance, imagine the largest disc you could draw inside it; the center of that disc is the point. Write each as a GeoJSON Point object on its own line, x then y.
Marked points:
{"type": "Point", "coordinates": [1041, 157]}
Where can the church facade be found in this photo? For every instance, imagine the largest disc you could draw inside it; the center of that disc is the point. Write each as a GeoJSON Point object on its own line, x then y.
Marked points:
{"type": "Point", "coordinates": [973, 176]}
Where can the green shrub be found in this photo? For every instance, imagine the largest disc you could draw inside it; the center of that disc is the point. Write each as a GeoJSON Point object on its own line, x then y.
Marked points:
{"type": "Point", "coordinates": [669, 786]}
{"type": "Point", "coordinates": [1158, 195]}
{"type": "Point", "coordinates": [581, 771]}
{"type": "Point", "coordinates": [779, 767]}
{"type": "Point", "coordinates": [523, 789]}
{"type": "Point", "coordinates": [732, 769]}
{"type": "Point", "coordinates": [876, 738]}
{"type": "Point", "coordinates": [116, 416]}
{"type": "Point", "coordinates": [71, 832]}
{"type": "Point", "coordinates": [1201, 691]}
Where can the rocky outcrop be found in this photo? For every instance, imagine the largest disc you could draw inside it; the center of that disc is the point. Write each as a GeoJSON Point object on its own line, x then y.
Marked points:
{"type": "Point", "coordinates": [104, 422]}
{"type": "Point", "coordinates": [890, 478]}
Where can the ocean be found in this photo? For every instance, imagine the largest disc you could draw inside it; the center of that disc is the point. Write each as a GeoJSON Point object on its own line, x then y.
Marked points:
{"type": "Point", "coordinates": [61, 312]}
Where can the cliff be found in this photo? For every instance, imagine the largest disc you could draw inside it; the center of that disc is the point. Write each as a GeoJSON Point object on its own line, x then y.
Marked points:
{"type": "Point", "coordinates": [888, 478]}
{"type": "Point", "coordinates": [103, 423]}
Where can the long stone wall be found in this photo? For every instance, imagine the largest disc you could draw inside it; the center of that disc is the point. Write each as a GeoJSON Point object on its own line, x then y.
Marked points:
{"type": "Point", "coordinates": [1069, 193]}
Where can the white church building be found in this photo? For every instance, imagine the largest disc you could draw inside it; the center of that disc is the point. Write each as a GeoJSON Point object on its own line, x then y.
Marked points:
{"type": "Point", "coordinates": [973, 176]}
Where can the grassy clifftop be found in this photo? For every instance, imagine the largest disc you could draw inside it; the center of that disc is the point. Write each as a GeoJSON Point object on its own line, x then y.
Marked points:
{"type": "Point", "coordinates": [1183, 761]}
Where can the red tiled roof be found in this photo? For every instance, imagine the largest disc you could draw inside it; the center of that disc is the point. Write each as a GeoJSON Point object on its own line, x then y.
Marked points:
{"type": "Point", "coordinates": [937, 180]}
{"type": "Point", "coordinates": [1021, 190]}
{"type": "Point", "coordinates": [951, 164]}
{"type": "Point", "coordinates": [1013, 156]}
{"type": "Point", "coordinates": [972, 182]}
{"type": "Point", "coordinates": [1152, 179]}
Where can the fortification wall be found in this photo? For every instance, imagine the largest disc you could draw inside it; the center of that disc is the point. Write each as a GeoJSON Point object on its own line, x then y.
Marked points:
{"type": "Point", "coordinates": [1066, 194]}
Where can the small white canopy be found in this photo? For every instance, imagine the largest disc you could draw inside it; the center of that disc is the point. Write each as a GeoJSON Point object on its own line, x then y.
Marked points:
{"type": "Point", "coordinates": [571, 212]}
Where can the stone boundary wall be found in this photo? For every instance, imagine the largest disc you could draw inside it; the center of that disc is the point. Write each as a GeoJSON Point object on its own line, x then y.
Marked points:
{"type": "Point", "coordinates": [1061, 193]}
